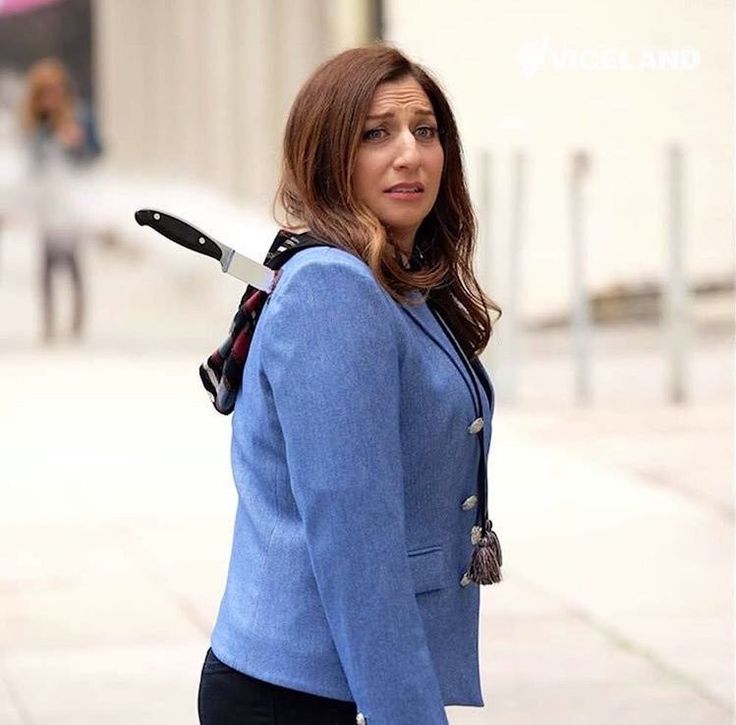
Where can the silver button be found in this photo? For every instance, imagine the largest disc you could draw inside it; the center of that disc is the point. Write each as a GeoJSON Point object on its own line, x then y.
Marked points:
{"type": "Point", "coordinates": [360, 719]}
{"type": "Point", "coordinates": [470, 503]}
{"type": "Point", "coordinates": [465, 580]}
{"type": "Point", "coordinates": [475, 426]}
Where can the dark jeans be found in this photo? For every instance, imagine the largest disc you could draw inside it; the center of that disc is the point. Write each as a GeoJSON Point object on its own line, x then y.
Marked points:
{"type": "Point", "coordinates": [229, 697]}
{"type": "Point", "coordinates": [54, 259]}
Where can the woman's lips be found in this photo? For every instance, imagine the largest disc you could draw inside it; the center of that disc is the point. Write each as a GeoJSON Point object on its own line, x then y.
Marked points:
{"type": "Point", "coordinates": [404, 195]}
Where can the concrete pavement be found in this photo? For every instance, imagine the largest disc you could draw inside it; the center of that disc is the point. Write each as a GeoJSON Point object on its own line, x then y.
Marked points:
{"type": "Point", "coordinates": [118, 503]}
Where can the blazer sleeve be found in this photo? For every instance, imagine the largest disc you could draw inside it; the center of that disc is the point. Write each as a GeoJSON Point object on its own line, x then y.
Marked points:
{"type": "Point", "coordinates": [331, 356]}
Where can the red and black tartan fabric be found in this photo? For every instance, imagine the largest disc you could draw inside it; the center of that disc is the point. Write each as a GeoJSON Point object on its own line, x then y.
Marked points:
{"type": "Point", "coordinates": [222, 372]}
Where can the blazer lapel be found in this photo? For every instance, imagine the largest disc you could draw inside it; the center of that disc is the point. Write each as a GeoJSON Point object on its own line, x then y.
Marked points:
{"type": "Point", "coordinates": [421, 316]}
{"type": "Point", "coordinates": [425, 321]}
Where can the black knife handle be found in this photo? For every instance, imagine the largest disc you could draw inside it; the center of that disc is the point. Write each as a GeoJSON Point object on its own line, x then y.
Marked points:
{"type": "Point", "coordinates": [179, 231]}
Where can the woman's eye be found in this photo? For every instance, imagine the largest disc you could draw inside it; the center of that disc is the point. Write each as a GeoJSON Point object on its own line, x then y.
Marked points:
{"type": "Point", "coordinates": [367, 135]}
{"type": "Point", "coordinates": [428, 131]}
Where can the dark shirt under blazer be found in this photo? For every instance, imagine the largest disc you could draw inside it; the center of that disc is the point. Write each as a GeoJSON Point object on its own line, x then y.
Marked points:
{"type": "Point", "coordinates": [356, 477]}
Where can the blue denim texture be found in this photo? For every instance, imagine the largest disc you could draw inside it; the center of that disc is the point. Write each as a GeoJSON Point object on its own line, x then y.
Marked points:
{"type": "Point", "coordinates": [351, 458]}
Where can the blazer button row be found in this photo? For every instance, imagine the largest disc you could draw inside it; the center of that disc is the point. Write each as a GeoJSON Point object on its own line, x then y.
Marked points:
{"type": "Point", "coordinates": [471, 501]}
{"type": "Point", "coordinates": [476, 426]}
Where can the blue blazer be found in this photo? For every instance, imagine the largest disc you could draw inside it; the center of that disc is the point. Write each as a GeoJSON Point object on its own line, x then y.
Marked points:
{"type": "Point", "coordinates": [356, 477]}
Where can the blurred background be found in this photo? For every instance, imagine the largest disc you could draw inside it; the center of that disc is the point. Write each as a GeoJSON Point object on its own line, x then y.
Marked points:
{"type": "Point", "coordinates": [598, 142]}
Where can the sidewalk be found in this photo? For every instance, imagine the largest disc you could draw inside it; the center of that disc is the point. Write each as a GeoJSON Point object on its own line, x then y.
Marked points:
{"type": "Point", "coordinates": [616, 525]}
{"type": "Point", "coordinates": [616, 604]}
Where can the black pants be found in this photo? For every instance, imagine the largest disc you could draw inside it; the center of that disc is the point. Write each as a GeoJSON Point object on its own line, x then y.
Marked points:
{"type": "Point", "coordinates": [229, 697]}
{"type": "Point", "coordinates": [55, 259]}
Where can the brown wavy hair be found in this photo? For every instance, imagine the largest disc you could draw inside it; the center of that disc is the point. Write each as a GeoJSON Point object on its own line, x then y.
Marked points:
{"type": "Point", "coordinates": [42, 73]}
{"type": "Point", "coordinates": [322, 135]}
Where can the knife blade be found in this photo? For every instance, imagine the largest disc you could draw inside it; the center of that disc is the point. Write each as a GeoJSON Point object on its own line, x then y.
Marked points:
{"type": "Point", "coordinates": [232, 262]}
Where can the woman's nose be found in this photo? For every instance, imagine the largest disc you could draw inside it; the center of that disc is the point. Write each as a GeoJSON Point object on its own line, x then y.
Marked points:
{"type": "Point", "coordinates": [408, 152]}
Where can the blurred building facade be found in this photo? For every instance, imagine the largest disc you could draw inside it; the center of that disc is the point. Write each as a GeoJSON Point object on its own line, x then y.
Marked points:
{"type": "Point", "coordinates": [201, 90]}
{"type": "Point", "coordinates": [32, 29]}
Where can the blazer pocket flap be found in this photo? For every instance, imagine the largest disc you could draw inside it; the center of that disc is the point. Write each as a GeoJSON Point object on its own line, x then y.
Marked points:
{"type": "Point", "coordinates": [428, 569]}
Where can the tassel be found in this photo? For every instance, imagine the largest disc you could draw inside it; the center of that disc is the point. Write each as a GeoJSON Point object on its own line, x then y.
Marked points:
{"type": "Point", "coordinates": [486, 561]}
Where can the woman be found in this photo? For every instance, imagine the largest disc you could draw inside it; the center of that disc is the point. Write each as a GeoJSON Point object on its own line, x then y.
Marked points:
{"type": "Point", "coordinates": [361, 431]}
{"type": "Point", "coordinates": [61, 138]}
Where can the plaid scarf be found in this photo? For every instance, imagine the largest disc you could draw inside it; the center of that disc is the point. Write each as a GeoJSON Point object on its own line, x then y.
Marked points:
{"type": "Point", "coordinates": [222, 372]}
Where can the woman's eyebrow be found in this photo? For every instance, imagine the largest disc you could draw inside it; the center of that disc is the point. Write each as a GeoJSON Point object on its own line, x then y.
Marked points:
{"type": "Point", "coordinates": [390, 114]}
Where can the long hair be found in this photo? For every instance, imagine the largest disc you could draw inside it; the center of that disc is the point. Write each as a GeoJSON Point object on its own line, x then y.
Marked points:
{"type": "Point", "coordinates": [43, 73]}
{"type": "Point", "coordinates": [321, 139]}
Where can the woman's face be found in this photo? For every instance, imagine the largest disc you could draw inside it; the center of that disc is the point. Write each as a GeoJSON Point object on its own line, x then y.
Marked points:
{"type": "Point", "coordinates": [399, 146]}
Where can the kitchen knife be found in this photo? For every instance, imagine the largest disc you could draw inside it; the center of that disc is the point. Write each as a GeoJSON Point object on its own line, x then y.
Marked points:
{"type": "Point", "coordinates": [183, 233]}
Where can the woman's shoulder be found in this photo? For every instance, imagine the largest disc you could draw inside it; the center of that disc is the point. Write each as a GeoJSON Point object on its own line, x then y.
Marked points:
{"type": "Point", "coordinates": [331, 281]}
{"type": "Point", "coordinates": [326, 263]}
{"type": "Point", "coordinates": [325, 256]}
{"type": "Point", "coordinates": [330, 296]}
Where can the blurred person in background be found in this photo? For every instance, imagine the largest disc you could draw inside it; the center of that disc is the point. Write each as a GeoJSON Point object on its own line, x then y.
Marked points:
{"type": "Point", "coordinates": [61, 138]}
